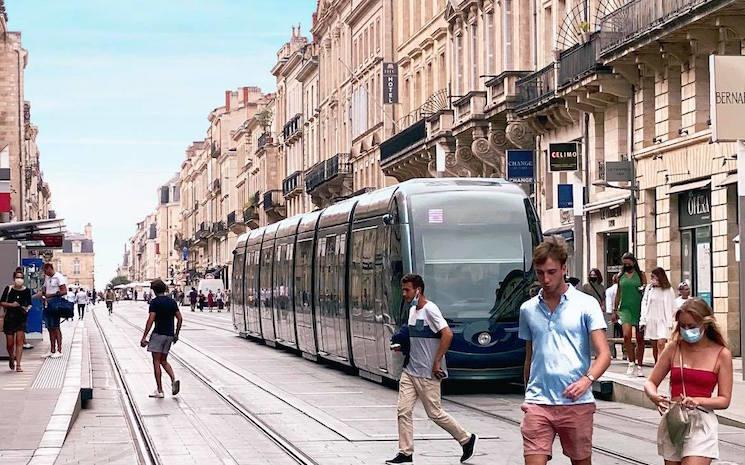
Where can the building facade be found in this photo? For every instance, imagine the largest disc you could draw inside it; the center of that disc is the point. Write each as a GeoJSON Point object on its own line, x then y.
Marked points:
{"type": "Point", "coordinates": [168, 229]}
{"type": "Point", "coordinates": [77, 259]}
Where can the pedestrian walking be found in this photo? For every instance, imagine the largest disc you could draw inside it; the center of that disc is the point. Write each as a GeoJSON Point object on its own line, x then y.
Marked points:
{"type": "Point", "coordinates": [16, 301]}
{"type": "Point", "coordinates": [110, 297]}
{"type": "Point", "coordinates": [628, 308]}
{"type": "Point", "coordinates": [220, 300]}
{"type": "Point", "coordinates": [82, 299]}
{"type": "Point", "coordinates": [202, 301]}
{"type": "Point", "coordinates": [614, 326]}
{"type": "Point", "coordinates": [210, 299]}
{"type": "Point", "coordinates": [163, 310]}
{"type": "Point", "coordinates": [658, 311]}
{"type": "Point", "coordinates": [560, 326]}
{"type": "Point", "coordinates": [594, 286]}
{"type": "Point", "coordinates": [55, 289]}
{"type": "Point", "coordinates": [429, 340]}
{"type": "Point", "coordinates": [698, 361]}
{"type": "Point", "coordinates": [193, 298]}
{"type": "Point", "coordinates": [684, 293]}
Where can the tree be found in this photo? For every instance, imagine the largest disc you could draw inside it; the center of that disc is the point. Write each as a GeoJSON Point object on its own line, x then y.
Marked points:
{"type": "Point", "coordinates": [119, 280]}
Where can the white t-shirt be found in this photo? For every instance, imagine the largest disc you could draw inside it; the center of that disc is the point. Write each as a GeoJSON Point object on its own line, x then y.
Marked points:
{"type": "Point", "coordinates": [82, 297]}
{"type": "Point", "coordinates": [53, 283]}
{"type": "Point", "coordinates": [424, 324]}
{"type": "Point", "coordinates": [678, 302]}
{"type": "Point", "coordinates": [70, 296]}
{"type": "Point", "coordinates": [610, 298]}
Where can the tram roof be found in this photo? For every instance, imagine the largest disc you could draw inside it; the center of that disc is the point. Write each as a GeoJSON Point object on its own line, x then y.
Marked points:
{"type": "Point", "coordinates": [255, 237]}
{"type": "Point", "coordinates": [241, 242]}
{"type": "Point", "coordinates": [308, 221]}
{"type": "Point", "coordinates": [288, 226]}
{"type": "Point", "coordinates": [415, 186]}
{"type": "Point", "coordinates": [375, 203]}
{"type": "Point", "coordinates": [339, 213]}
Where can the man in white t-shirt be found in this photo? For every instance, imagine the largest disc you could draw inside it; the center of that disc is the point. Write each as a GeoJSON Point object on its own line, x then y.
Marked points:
{"type": "Point", "coordinates": [429, 339]}
{"type": "Point", "coordinates": [684, 291]}
{"type": "Point", "coordinates": [81, 298]}
{"type": "Point", "coordinates": [55, 287]}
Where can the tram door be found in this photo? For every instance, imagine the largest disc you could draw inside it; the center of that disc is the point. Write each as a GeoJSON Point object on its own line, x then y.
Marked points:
{"type": "Point", "coordinates": [265, 292]}
{"type": "Point", "coordinates": [331, 303]}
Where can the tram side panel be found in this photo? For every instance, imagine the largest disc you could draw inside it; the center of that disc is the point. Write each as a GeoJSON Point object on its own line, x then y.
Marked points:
{"type": "Point", "coordinates": [331, 318]}
{"type": "Point", "coordinates": [237, 301]}
{"type": "Point", "coordinates": [303, 290]}
{"type": "Point", "coordinates": [266, 311]}
{"type": "Point", "coordinates": [250, 284]}
{"type": "Point", "coordinates": [284, 317]}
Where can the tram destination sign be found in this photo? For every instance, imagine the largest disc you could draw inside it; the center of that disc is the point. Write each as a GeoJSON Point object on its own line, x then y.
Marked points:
{"type": "Point", "coordinates": [520, 166]}
{"type": "Point", "coordinates": [563, 157]}
{"type": "Point", "coordinates": [390, 83]}
{"type": "Point", "coordinates": [727, 97]}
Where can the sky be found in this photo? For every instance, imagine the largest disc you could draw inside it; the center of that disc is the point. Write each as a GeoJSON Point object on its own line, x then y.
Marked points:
{"type": "Point", "coordinates": [119, 89]}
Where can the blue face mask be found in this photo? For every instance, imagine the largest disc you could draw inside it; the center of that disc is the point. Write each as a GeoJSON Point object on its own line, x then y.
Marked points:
{"type": "Point", "coordinates": [415, 300]}
{"type": "Point", "coordinates": [692, 335]}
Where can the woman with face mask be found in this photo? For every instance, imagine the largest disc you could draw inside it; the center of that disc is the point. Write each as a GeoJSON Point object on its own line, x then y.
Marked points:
{"type": "Point", "coordinates": [658, 311]}
{"type": "Point", "coordinates": [628, 308]}
{"type": "Point", "coordinates": [594, 286]}
{"type": "Point", "coordinates": [16, 300]}
{"type": "Point", "coordinates": [698, 362]}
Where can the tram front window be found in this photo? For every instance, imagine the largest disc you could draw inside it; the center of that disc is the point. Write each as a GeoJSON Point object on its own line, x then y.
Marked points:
{"type": "Point", "coordinates": [469, 247]}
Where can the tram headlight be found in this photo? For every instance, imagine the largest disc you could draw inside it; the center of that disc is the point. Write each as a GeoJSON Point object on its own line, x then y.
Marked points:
{"type": "Point", "coordinates": [484, 339]}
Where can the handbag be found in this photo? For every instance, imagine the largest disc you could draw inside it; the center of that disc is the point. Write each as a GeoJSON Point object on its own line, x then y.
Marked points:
{"type": "Point", "coordinates": [62, 308]}
{"type": "Point", "coordinates": [677, 419]}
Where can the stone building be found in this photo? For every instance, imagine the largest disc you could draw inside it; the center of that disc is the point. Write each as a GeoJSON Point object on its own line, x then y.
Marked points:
{"type": "Point", "coordinates": [77, 259]}
{"type": "Point", "coordinates": [168, 229]}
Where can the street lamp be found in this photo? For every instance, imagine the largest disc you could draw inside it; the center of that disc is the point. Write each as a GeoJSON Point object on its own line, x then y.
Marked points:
{"type": "Point", "coordinates": [634, 188]}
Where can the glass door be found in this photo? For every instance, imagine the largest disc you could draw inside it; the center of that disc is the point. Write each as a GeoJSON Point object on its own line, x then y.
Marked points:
{"type": "Point", "coordinates": [616, 244]}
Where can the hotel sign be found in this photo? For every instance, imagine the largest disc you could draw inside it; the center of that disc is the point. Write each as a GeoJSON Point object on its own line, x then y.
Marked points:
{"type": "Point", "coordinates": [390, 83]}
{"type": "Point", "coordinates": [727, 97]}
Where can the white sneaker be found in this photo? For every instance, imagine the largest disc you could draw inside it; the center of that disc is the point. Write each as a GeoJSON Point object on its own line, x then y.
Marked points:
{"type": "Point", "coordinates": [630, 369]}
{"type": "Point", "coordinates": [156, 395]}
{"type": "Point", "coordinates": [56, 355]}
{"type": "Point", "coordinates": [639, 372]}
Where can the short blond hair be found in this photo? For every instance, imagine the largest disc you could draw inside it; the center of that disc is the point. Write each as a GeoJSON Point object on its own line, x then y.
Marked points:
{"type": "Point", "coordinates": [554, 247]}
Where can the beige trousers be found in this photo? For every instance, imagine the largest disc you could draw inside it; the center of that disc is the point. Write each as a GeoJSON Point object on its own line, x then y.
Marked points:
{"type": "Point", "coordinates": [410, 389]}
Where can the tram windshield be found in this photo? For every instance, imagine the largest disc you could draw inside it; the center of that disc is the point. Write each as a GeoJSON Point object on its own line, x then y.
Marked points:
{"type": "Point", "coordinates": [469, 247]}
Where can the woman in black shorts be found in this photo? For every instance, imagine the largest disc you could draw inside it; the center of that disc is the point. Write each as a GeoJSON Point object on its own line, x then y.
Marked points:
{"type": "Point", "coordinates": [16, 300]}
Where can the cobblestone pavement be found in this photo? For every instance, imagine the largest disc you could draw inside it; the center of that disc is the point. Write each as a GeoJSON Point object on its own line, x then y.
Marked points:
{"type": "Point", "coordinates": [331, 415]}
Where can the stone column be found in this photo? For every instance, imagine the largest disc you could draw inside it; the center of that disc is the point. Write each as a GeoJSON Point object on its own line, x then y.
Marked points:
{"type": "Point", "coordinates": [695, 94]}
{"type": "Point", "coordinates": [644, 113]}
{"type": "Point", "coordinates": [667, 103]}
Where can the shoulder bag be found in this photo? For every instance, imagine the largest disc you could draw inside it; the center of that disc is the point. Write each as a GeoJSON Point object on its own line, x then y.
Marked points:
{"type": "Point", "coordinates": [676, 417]}
{"type": "Point", "coordinates": [62, 308]}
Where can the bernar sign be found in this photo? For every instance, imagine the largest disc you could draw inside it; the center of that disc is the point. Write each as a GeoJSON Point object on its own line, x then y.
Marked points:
{"type": "Point", "coordinates": [727, 97]}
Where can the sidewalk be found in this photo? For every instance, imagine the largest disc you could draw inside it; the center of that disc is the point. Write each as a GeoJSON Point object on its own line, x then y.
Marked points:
{"type": "Point", "coordinates": [40, 404]}
{"type": "Point", "coordinates": [630, 390]}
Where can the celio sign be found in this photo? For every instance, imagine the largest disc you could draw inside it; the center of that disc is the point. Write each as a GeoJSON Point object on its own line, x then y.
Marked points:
{"type": "Point", "coordinates": [727, 97]}
{"type": "Point", "coordinates": [563, 157]}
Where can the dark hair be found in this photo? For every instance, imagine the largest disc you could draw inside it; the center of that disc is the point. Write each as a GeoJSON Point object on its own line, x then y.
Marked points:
{"type": "Point", "coordinates": [597, 272]}
{"type": "Point", "coordinates": [48, 265]}
{"type": "Point", "coordinates": [158, 286]}
{"type": "Point", "coordinates": [662, 277]}
{"type": "Point", "coordinates": [554, 247]}
{"type": "Point", "coordinates": [414, 279]}
{"type": "Point", "coordinates": [20, 272]}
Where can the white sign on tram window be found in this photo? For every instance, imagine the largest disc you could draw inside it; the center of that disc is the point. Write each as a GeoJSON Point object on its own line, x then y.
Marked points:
{"type": "Point", "coordinates": [727, 97]}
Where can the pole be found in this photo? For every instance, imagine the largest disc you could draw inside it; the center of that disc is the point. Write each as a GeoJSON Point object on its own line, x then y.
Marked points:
{"type": "Point", "coordinates": [632, 205]}
{"type": "Point", "coordinates": [741, 229]}
{"type": "Point", "coordinates": [578, 206]}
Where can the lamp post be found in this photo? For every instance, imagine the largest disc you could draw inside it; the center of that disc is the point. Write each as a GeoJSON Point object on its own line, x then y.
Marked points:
{"type": "Point", "coordinates": [634, 188]}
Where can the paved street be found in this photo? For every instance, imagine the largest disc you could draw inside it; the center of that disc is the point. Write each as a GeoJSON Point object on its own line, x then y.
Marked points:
{"type": "Point", "coordinates": [325, 414]}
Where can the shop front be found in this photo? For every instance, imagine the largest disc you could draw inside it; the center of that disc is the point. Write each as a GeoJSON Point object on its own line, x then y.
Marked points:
{"type": "Point", "coordinates": [694, 221]}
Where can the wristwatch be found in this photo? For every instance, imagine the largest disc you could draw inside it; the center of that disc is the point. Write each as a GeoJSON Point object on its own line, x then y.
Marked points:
{"type": "Point", "coordinates": [590, 377]}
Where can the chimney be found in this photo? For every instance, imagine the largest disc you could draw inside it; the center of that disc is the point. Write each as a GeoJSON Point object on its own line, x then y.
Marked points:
{"type": "Point", "coordinates": [227, 100]}
{"type": "Point", "coordinates": [245, 96]}
{"type": "Point", "coordinates": [89, 231]}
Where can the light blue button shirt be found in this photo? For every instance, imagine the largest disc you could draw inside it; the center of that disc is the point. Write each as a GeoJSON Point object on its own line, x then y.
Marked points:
{"type": "Point", "coordinates": [561, 345]}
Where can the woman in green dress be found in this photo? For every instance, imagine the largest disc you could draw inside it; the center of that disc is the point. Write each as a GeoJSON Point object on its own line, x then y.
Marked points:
{"type": "Point", "coordinates": [628, 309]}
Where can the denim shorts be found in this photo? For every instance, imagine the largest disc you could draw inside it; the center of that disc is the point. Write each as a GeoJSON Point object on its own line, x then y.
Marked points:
{"type": "Point", "coordinates": [50, 321]}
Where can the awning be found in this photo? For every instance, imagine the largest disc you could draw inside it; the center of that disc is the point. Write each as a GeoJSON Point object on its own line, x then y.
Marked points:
{"type": "Point", "coordinates": [607, 203]}
{"type": "Point", "coordinates": [689, 186]}
{"type": "Point", "coordinates": [729, 180]}
{"type": "Point", "coordinates": [567, 232]}
{"type": "Point", "coordinates": [42, 234]}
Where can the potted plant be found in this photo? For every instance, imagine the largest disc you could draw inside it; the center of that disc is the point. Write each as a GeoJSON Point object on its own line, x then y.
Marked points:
{"type": "Point", "coordinates": [584, 31]}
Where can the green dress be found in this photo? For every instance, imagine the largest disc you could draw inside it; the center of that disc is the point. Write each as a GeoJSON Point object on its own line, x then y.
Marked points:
{"type": "Point", "coordinates": [630, 305]}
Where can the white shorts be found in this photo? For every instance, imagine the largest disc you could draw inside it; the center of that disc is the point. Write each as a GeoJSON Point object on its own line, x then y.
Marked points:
{"type": "Point", "coordinates": [702, 438]}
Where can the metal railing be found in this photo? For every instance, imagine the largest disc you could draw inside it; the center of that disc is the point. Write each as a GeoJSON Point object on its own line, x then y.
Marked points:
{"type": "Point", "coordinates": [579, 61]}
{"type": "Point", "coordinates": [291, 127]}
{"type": "Point", "coordinates": [219, 228]}
{"type": "Point", "coordinates": [536, 86]}
{"type": "Point", "coordinates": [292, 182]}
{"type": "Point", "coordinates": [273, 199]}
{"type": "Point", "coordinates": [638, 16]}
{"type": "Point", "coordinates": [439, 100]}
{"type": "Point", "coordinates": [327, 169]}
{"type": "Point", "coordinates": [231, 218]}
{"type": "Point", "coordinates": [264, 139]}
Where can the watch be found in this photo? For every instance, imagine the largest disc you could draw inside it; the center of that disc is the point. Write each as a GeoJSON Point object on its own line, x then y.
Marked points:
{"type": "Point", "coordinates": [590, 377]}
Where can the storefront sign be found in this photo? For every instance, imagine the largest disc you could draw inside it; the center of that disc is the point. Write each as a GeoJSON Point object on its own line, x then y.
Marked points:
{"type": "Point", "coordinates": [565, 196]}
{"type": "Point", "coordinates": [390, 83]}
{"type": "Point", "coordinates": [618, 171]}
{"type": "Point", "coordinates": [694, 208]}
{"type": "Point", "coordinates": [727, 97]}
{"type": "Point", "coordinates": [563, 157]}
{"type": "Point", "coordinates": [520, 166]}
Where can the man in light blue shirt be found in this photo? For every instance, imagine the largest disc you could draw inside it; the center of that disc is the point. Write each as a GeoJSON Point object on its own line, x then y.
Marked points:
{"type": "Point", "coordinates": [561, 326]}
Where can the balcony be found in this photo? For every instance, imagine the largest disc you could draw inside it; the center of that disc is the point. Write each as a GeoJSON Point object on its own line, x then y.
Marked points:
{"type": "Point", "coordinates": [412, 136]}
{"type": "Point", "coordinates": [251, 212]}
{"type": "Point", "coordinates": [219, 229]}
{"type": "Point", "coordinates": [292, 185]}
{"type": "Point", "coordinates": [292, 128]}
{"type": "Point", "coordinates": [470, 107]}
{"type": "Point", "coordinates": [201, 234]}
{"type": "Point", "coordinates": [637, 19]}
{"type": "Point", "coordinates": [216, 185]}
{"type": "Point", "coordinates": [536, 88]}
{"type": "Point", "coordinates": [231, 219]}
{"type": "Point", "coordinates": [502, 91]}
{"type": "Point", "coordinates": [214, 150]}
{"type": "Point", "coordinates": [329, 179]}
{"type": "Point", "coordinates": [274, 205]}
{"type": "Point", "coordinates": [264, 140]}
{"type": "Point", "coordinates": [235, 222]}
{"type": "Point", "coordinates": [580, 61]}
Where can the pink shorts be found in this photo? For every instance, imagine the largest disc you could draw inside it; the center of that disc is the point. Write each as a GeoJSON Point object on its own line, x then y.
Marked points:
{"type": "Point", "coordinates": [573, 424]}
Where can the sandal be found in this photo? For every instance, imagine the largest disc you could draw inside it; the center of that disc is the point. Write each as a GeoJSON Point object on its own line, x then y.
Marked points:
{"type": "Point", "coordinates": [19, 369]}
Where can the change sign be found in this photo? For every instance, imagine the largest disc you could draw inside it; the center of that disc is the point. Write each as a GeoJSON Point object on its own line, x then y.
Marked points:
{"type": "Point", "coordinates": [563, 157]}
{"type": "Point", "coordinates": [520, 166]}
{"type": "Point", "coordinates": [390, 83]}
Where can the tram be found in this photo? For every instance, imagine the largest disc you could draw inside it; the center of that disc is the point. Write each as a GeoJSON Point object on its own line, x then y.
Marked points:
{"type": "Point", "coordinates": [327, 283]}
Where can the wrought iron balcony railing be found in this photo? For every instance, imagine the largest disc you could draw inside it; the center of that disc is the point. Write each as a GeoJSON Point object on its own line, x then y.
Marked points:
{"type": "Point", "coordinates": [292, 182]}
{"type": "Point", "coordinates": [536, 87]}
{"type": "Point", "coordinates": [292, 127]}
{"type": "Point", "coordinates": [273, 199]}
{"type": "Point", "coordinates": [231, 218]}
{"type": "Point", "coordinates": [326, 170]}
{"type": "Point", "coordinates": [580, 61]}
{"type": "Point", "coordinates": [264, 139]}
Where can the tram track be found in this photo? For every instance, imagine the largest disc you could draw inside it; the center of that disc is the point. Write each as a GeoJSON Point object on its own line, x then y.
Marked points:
{"type": "Point", "coordinates": [146, 448]}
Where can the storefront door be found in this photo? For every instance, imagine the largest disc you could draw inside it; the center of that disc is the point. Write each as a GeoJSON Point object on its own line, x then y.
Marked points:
{"type": "Point", "coordinates": [695, 241]}
{"type": "Point", "coordinates": [616, 244]}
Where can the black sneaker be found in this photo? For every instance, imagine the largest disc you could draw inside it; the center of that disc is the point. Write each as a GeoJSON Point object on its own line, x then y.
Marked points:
{"type": "Point", "coordinates": [469, 448]}
{"type": "Point", "coordinates": [401, 458]}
